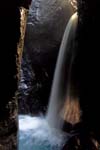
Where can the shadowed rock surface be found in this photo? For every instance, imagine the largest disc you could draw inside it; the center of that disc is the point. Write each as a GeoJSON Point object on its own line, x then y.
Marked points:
{"type": "Point", "coordinates": [10, 34]}
{"type": "Point", "coordinates": [86, 76]}
{"type": "Point", "coordinates": [45, 26]}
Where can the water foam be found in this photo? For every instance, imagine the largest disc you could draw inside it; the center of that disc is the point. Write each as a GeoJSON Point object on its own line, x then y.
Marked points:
{"type": "Point", "coordinates": [36, 134]}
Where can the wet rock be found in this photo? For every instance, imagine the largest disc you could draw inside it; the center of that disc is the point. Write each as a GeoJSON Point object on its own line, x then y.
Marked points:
{"type": "Point", "coordinates": [45, 26]}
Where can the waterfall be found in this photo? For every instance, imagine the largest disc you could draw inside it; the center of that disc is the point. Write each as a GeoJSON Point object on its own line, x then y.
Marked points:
{"type": "Point", "coordinates": [62, 75]}
{"type": "Point", "coordinates": [39, 133]}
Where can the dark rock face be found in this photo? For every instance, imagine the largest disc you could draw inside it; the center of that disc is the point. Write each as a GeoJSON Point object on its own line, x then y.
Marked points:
{"type": "Point", "coordinates": [87, 76]}
{"type": "Point", "coordinates": [88, 43]}
{"type": "Point", "coordinates": [10, 34]}
{"type": "Point", "coordinates": [45, 26]}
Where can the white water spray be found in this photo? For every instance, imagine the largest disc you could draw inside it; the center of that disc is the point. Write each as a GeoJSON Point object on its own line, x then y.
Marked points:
{"type": "Point", "coordinates": [36, 134]}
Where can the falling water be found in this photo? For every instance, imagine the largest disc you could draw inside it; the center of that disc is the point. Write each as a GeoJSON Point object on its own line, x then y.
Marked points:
{"type": "Point", "coordinates": [62, 75]}
{"type": "Point", "coordinates": [35, 133]}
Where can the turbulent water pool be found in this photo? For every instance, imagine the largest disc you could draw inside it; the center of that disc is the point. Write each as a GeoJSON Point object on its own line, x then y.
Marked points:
{"type": "Point", "coordinates": [35, 134]}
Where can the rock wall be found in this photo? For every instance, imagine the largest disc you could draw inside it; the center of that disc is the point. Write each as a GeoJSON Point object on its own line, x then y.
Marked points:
{"type": "Point", "coordinates": [88, 54]}
{"type": "Point", "coordinates": [46, 22]}
{"type": "Point", "coordinates": [86, 78]}
{"type": "Point", "coordinates": [9, 33]}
